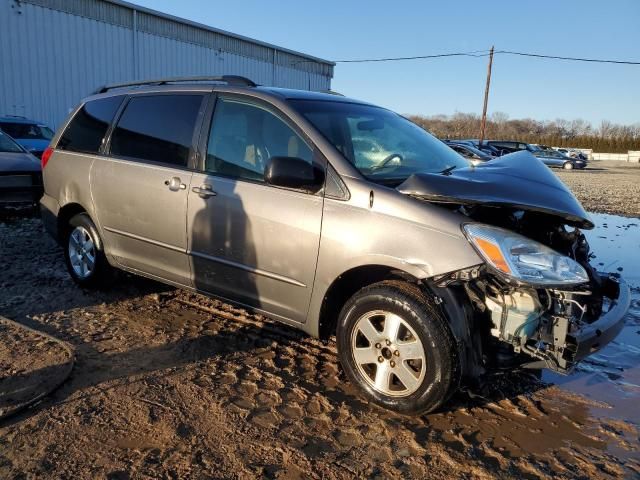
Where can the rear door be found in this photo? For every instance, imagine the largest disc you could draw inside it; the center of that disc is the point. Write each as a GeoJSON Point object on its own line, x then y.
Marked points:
{"type": "Point", "coordinates": [140, 189]}
{"type": "Point", "coordinates": [251, 242]}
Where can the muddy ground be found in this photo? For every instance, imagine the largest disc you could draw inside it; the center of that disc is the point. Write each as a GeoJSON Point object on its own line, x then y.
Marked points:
{"type": "Point", "coordinates": [32, 364]}
{"type": "Point", "coordinates": [170, 384]}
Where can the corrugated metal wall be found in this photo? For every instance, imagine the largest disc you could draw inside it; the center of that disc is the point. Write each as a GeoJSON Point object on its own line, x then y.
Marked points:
{"type": "Point", "coordinates": [55, 52]}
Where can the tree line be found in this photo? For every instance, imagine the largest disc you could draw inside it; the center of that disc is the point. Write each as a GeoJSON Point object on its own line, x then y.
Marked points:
{"type": "Point", "coordinates": [607, 137]}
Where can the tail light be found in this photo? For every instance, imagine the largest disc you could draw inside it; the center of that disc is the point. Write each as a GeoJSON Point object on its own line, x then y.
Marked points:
{"type": "Point", "coordinates": [45, 157]}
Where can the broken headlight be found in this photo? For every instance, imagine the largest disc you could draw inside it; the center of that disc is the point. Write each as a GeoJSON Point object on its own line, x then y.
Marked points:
{"type": "Point", "coordinates": [523, 259]}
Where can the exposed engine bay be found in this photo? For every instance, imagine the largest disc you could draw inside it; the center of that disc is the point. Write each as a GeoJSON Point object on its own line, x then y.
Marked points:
{"type": "Point", "coordinates": [536, 298]}
{"type": "Point", "coordinates": [550, 325]}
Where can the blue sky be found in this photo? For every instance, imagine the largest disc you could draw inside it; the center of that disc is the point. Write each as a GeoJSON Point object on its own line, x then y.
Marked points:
{"type": "Point", "coordinates": [521, 87]}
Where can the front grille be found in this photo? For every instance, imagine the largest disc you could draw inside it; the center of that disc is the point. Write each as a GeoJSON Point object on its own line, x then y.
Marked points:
{"type": "Point", "coordinates": [16, 181]}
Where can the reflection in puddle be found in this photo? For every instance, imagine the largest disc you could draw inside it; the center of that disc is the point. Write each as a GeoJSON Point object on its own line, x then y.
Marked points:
{"type": "Point", "coordinates": [613, 374]}
{"type": "Point", "coordinates": [616, 243]}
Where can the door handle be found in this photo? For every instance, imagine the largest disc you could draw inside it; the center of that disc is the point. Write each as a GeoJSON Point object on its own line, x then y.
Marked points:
{"type": "Point", "coordinates": [175, 184]}
{"type": "Point", "coordinates": [205, 191]}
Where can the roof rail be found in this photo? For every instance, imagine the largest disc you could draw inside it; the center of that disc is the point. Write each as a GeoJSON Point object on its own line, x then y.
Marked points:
{"type": "Point", "coordinates": [235, 80]}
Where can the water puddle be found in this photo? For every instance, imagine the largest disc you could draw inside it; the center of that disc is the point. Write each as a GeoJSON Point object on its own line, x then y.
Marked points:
{"type": "Point", "coordinates": [616, 243]}
{"type": "Point", "coordinates": [612, 375]}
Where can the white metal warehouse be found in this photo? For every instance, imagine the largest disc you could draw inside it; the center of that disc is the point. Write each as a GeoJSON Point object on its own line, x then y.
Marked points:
{"type": "Point", "coordinates": [55, 52]}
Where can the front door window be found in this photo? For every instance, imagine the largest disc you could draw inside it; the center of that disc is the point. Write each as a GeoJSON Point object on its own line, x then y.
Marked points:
{"type": "Point", "coordinates": [244, 136]}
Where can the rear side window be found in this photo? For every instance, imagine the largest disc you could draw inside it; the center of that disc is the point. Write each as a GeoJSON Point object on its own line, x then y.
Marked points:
{"type": "Point", "coordinates": [157, 128]}
{"type": "Point", "coordinates": [89, 126]}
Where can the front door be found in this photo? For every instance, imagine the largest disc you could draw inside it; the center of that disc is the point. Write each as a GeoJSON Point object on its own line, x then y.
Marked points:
{"type": "Point", "coordinates": [140, 190]}
{"type": "Point", "coordinates": [248, 241]}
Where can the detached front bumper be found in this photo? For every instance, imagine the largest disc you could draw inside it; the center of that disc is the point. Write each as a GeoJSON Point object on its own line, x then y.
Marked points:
{"type": "Point", "coordinates": [591, 337]}
{"type": "Point", "coordinates": [560, 328]}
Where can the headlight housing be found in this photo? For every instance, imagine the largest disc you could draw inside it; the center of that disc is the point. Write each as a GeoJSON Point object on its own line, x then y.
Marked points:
{"type": "Point", "coordinates": [523, 259]}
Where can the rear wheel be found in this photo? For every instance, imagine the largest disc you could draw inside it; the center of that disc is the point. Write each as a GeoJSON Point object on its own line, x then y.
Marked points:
{"type": "Point", "coordinates": [84, 254]}
{"type": "Point", "coordinates": [394, 343]}
{"type": "Point", "coordinates": [568, 166]}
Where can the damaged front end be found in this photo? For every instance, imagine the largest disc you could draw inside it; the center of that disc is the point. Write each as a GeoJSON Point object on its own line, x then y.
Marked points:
{"type": "Point", "coordinates": [536, 298]}
{"type": "Point", "coordinates": [544, 300]}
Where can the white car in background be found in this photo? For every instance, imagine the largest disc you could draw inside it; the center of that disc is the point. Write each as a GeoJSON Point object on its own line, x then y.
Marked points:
{"type": "Point", "coordinates": [571, 152]}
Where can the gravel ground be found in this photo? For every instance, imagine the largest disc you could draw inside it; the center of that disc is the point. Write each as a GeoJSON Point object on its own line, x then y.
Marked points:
{"type": "Point", "coordinates": [171, 384]}
{"type": "Point", "coordinates": [606, 187]}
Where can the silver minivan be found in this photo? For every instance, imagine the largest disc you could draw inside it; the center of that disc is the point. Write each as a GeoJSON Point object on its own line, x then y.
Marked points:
{"type": "Point", "coordinates": [336, 217]}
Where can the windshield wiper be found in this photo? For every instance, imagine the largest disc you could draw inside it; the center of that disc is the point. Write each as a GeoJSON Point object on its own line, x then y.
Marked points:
{"type": "Point", "coordinates": [448, 170]}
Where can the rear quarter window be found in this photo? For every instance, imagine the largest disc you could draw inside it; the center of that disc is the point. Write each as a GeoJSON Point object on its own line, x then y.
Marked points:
{"type": "Point", "coordinates": [157, 128]}
{"type": "Point", "coordinates": [88, 127]}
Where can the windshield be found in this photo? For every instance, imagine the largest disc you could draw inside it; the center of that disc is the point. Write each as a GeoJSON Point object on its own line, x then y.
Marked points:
{"type": "Point", "coordinates": [25, 131]}
{"type": "Point", "coordinates": [8, 145]}
{"type": "Point", "coordinates": [381, 144]}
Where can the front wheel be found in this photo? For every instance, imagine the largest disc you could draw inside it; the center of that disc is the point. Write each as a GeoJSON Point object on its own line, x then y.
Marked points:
{"type": "Point", "coordinates": [395, 344]}
{"type": "Point", "coordinates": [84, 254]}
{"type": "Point", "coordinates": [568, 166]}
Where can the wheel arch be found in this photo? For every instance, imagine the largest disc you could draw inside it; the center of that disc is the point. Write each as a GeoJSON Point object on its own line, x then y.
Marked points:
{"type": "Point", "coordinates": [66, 213]}
{"type": "Point", "coordinates": [346, 285]}
{"type": "Point", "coordinates": [453, 303]}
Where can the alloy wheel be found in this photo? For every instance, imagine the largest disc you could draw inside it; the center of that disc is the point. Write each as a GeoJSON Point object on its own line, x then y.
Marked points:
{"type": "Point", "coordinates": [388, 353]}
{"type": "Point", "coordinates": [82, 252]}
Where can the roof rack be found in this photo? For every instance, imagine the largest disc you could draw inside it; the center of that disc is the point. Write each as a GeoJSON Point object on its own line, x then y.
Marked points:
{"type": "Point", "coordinates": [235, 80]}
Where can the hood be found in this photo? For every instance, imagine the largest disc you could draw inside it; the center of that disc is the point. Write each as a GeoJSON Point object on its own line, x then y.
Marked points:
{"type": "Point", "coordinates": [518, 180]}
{"type": "Point", "coordinates": [34, 144]}
{"type": "Point", "coordinates": [18, 162]}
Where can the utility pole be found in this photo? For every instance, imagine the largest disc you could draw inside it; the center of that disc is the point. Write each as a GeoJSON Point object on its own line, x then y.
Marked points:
{"type": "Point", "coordinates": [486, 97]}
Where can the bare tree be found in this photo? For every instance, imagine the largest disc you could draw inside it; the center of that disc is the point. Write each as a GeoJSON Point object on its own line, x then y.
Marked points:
{"type": "Point", "coordinates": [579, 133]}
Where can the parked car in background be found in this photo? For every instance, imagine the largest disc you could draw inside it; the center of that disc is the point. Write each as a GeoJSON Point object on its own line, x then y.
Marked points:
{"type": "Point", "coordinates": [541, 146]}
{"type": "Point", "coordinates": [484, 147]}
{"type": "Point", "coordinates": [32, 135]}
{"type": "Point", "coordinates": [572, 152]}
{"type": "Point", "coordinates": [474, 155]}
{"type": "Point", "coordinates": [556, 159]}
{"type": "Point", "coordinates": [255, 195]}
{"type": "Point", "coordinates": [549, 156]}
{"type": "Point", "coordinates": [20, 174]}
{"type": "Point", "coordinates": [508, 146]}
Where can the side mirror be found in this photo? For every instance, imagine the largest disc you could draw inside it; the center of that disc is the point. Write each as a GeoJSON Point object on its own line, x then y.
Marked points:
{"type": "Point", "coordinates": [293, 172]}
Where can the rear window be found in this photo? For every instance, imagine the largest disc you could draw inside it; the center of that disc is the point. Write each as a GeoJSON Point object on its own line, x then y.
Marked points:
{"type": "Point", "coordinates": [27, 131]}
{"type": "Point", "coordinates": [157, 128]}
{"type": "Point", "coordinates": [89, 126]}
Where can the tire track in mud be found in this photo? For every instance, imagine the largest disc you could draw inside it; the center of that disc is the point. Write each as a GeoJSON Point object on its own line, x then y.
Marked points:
{"type": "Point", "coordinates": [171, 383]}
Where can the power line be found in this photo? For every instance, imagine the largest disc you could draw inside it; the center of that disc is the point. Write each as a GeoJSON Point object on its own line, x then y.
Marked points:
{"type": "Point", "coordinates": [573, 59]}
{"type": "Point", "coordinates": [485, 53]}
{"type": "Point", "coordinates": [477, 53]}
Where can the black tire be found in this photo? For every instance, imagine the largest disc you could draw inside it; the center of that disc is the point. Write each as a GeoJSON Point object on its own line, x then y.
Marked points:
{"type": "Point", "coordinates": [418, 309]}
{"type": "Point", "coordinates": [102, 274]}
{"type": "Point", "coordinates": [568, 166]}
